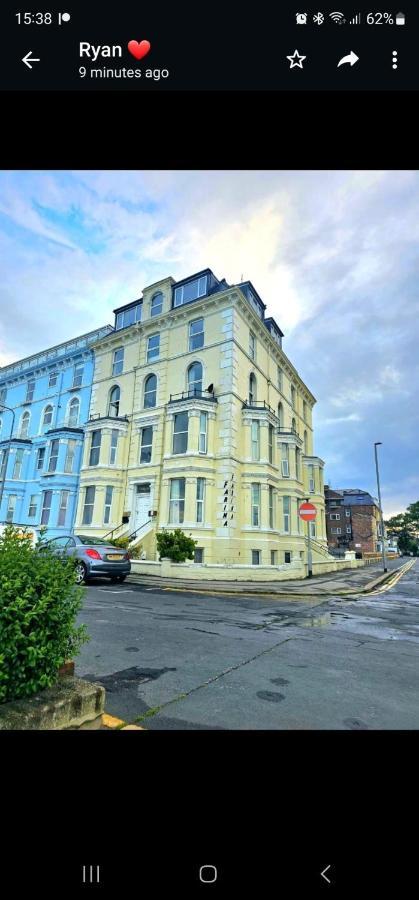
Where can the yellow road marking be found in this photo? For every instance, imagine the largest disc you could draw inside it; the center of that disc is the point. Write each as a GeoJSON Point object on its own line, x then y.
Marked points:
{"type": "Point", "coordinates": [394, 579]}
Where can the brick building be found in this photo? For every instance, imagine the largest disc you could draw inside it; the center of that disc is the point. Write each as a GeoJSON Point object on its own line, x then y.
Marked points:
{"type": "Point", "coordinates": [352, 520]}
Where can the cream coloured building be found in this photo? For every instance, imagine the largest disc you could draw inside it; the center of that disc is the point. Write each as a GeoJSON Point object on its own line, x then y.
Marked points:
{"type": "Point", "coordinates": [199, 420]}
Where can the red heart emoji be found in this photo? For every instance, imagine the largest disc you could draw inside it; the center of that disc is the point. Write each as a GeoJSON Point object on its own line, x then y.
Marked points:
{"type": "Point", "coordinates": [139, 49]}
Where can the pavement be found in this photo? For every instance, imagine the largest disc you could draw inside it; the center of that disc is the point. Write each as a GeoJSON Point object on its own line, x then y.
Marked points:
{"type": "Point", "coordinates": [350, 581]}
{"type": "Point", "coordinates": [184, 660]}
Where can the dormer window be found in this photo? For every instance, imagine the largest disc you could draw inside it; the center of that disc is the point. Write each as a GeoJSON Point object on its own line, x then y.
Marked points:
{"type": "Point", "coordinates": [192, 290]}
{"type": "Point", "coordinates": [128, 316]}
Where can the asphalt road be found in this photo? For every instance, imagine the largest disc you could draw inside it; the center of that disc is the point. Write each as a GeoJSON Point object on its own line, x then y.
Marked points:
{"type": "Point", "coordinates": [180, 660]}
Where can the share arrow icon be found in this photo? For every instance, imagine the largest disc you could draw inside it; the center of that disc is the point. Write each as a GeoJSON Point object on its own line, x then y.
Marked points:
{"type": "Point", "coordinates": [352, 58]}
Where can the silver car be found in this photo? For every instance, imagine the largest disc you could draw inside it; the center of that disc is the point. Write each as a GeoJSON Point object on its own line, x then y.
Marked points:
{"type": "Point", "coordinates": [95, 557]}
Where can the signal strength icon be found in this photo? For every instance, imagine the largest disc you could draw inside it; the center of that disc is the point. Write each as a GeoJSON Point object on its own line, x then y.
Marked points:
{"type": "Point", "coordinates": [356, 20]}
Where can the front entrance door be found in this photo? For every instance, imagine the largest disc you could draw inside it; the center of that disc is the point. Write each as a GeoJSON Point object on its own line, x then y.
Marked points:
{"type": "Point", "coordinates": [142, 504]}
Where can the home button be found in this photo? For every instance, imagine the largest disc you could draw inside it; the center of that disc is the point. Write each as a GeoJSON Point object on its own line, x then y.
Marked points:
{"type": "Point", "coordinates": [208, 874]}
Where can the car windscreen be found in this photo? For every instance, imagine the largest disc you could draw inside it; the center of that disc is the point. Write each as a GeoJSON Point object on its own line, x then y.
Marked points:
{"type": "Point", "coordinates": [92, 541]}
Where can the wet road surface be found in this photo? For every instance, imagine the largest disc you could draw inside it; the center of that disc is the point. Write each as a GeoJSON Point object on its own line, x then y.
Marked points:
{"type": "Point", "coordinates": [172, 660]}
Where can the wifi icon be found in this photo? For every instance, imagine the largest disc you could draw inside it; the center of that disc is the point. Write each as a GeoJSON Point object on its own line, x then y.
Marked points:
{"type": "Point", "coordinates": [337, 17]}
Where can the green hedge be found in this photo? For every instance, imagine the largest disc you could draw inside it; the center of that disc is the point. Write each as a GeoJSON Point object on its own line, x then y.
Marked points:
{"type": "Point", "coordinates": [39, 603]}
{"type": "Point", "coordinates": [175, 545]}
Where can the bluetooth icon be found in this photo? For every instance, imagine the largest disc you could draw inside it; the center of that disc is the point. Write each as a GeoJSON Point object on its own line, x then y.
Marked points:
{"type": "Point", "coordinates": [319, 18]}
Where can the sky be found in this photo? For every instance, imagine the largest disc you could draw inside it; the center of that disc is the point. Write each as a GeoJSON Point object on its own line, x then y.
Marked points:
{"type": "Point", "coordinates": [333, 254]}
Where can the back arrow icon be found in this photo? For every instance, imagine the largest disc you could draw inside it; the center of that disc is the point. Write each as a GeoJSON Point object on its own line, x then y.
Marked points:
{"type": "Point", "coordinates": [352, 59]}
{"type": "Point", "coordinates": [28, 59]}
{"type": "Point", "coordinates": [323, 875]}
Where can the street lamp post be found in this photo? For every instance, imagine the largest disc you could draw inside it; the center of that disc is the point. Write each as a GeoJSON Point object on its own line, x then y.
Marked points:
{"type": "Point", "coordinates": [378, 444]}
{"type": "Point", "coordinates": [6, 454]}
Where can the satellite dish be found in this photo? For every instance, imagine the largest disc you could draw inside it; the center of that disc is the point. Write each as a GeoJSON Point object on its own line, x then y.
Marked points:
{"type": "Point", "coordinates": [210, 388]}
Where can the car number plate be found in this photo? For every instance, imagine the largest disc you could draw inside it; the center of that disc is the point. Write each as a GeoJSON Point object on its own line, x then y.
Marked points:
{"type": "Point", "coordinates": [115, 556]}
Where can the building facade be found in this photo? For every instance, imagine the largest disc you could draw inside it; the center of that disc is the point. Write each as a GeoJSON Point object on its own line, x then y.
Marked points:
{"type": "Point", "coordinates": [44, 403]}
{"type": "Point", "coordinates": [353, 520]}
{"type": "Point", "coordinates": [199, 420]}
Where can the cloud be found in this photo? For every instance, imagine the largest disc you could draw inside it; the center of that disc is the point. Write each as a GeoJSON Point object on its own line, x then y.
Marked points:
{"type": "Point", "coordinates": [334, 256]}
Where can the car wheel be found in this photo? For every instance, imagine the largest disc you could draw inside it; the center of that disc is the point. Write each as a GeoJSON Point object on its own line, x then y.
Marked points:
{"type": "Point", "coordinates": [118, 579]}
{"type": "Point", "coordinates": [80, 573]}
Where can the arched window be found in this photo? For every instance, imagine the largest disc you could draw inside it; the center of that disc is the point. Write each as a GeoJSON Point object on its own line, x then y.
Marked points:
{"type": "Point", "coordinates": [252, 388]}
{"type": "Point", "coordinates": [24, 425]}
{"type": "Point", "coordinates": [280, 415]}
{"type": "Point", "coordinates": [305, 443]}
{"type": "Point", "coordinates": [47, 416]}
{"type": "Point", "coordinates": [150, 391]}
{"type": "Point", "coordinates": [195, 380]}
{"type": "Point", "coordinates": [156, 304]}
{"type": "Point", "coordinates": [73, 412]}
{"type": "Point", "coordinates": [114, 397]}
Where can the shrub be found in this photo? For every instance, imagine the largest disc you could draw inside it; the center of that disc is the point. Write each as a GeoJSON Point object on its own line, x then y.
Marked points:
{"type": "Point", "coordinates": [123, 543]}
{"type": "Point", "coordinates": [175, 545]}
{"type": "Point", "coordinates": [39, 603]}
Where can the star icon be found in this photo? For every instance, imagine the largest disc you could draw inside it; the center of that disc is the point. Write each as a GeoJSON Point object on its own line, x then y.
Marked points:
{"type": "Point", "coordinates": [296, 60]}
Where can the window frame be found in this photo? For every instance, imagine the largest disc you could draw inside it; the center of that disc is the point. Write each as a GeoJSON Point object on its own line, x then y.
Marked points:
{"type": "Point", "coordinates": [255, 556]}
{"type": "Point", "coordinates": [46, 510]}
{"type": "Point", "coordinates": [40, 468]}
{"type": "Point", "coordinates": [52, 456]}
{"type": "Point", "coordinates": [203, 434]}
{"type": "Point", "coordinates": [114, 404]}
{"type": "Point", "coordinates": [255, 441]}
{"type": "Point", "coordinates": [180, 500]}
{"type": "Point", "coordinates": [194, 391]}
{"type": "Point", "coordinates": [118, 363]}
{"type": "Point", "coordinates": [46, 411]}
{"type": "Point", "coordinates": [255, 504]}
{"type": "Point", "coordinates": [179, 290]}
{"type": "Point", "coordinates": [191, 336]}
{"type": "Point", "coordinates": [31, 515]}
{"type": "Point", "coordinates": [18, 464]}
{"type": "Point", "coordinates": [70, 455]}
{"type": "Point", "coordinates": [153, 353]}
{"type": "Point", "coordinates": [252, 345]}
{"type": "Point", "coordinates": [73, 404]}
{"type": "Point", "coordinates": [271, 506]}
{"type": "Point", "coordinates": [26, 417]}
{"type": "Point", "coordinates": [144, 446]}
{"type": "Point", "coordinates": [11, 508]}
{"type": "Point", "coordinates": [52, 375]}
{"type": "Point", "coordinates": [286, 514]}
{"type": "Point", "coordinates": [135, 309]}
{"type": "Point", "coordinates": [95, 448]}
{"type": "Point", "coordinates": [147, 391]}
{"type": "Point", "coordinates": [285, 460]}
{"type": "Point", "coordinates": [113, 449]}
{"type": "Point", "coordinates": [153, 313]}
{"type": "Point", "coordinates": [30, 390]}
{"type": "Point", "coordinates": [252, 388]}
{"type": "Point", "coordinates": [107, 508]}
{"type": "Point", "coordinates": [88, 518]}
{"type": "Point", "coordinates": [63, 508]}
{"type": "Point", "coordinates": [77, 375]}
{"type": "Point", "coordinates": [200, 500]}
{"type": "Point", "coordinates": [271, 458]}
{"type": "Point", "coordinates": [176, 434]}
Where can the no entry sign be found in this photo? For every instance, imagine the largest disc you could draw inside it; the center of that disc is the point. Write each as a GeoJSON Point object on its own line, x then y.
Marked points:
{"type": "Point", "coordinates": [307, 512]}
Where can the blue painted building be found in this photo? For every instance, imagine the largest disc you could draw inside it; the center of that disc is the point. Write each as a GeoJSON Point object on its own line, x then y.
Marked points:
{"type": "Point", "coordinates": [44, 404]}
